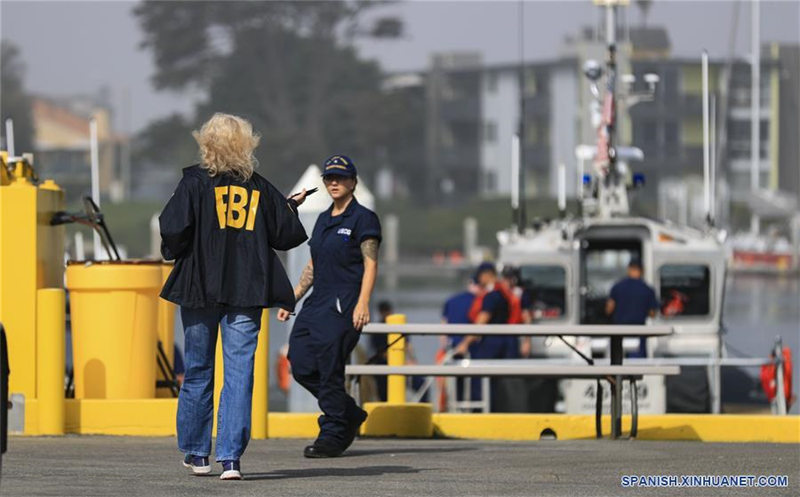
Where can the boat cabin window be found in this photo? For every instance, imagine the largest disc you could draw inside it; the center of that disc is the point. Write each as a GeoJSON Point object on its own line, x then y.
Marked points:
{"type": "Point", "coordinates": [547, 287]}
{"type": "Point", "coordinates": [685, 290]}
{"type": "Point", "coordinates": [605, 262]}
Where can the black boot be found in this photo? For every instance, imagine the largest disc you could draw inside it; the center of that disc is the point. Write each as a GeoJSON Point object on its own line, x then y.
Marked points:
{"type": "Point", "coordinates": [354, 427]}
{"type": "Point", "coordinates": [321, 449]}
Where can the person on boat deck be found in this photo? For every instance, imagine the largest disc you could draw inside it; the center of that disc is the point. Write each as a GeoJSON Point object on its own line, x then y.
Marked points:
{"type": "Point", "coordinates": [221, 226]}
{"type": "Point", "coordinates": [632, 301]}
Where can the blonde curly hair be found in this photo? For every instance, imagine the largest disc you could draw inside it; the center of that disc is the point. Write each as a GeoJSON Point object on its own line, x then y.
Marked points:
{"type": "Point", "coordinates": [226, 146]}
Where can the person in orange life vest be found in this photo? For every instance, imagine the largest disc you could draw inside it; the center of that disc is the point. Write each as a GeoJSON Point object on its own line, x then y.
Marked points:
{"type": "Point", "coordinates": [521, 304]}
{"type": "Point", "coordinates": [456, 310]}
{"type": "Point", "coordinates": [493, 306]}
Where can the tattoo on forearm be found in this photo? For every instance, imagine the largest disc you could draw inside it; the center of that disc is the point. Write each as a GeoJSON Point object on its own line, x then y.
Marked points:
{"type": "Point", "coordinates": [306, 280]}
{"type": "Point", "coordinates": [369, 248]}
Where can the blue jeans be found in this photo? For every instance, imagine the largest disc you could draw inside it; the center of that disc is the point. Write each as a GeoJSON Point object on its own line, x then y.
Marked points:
{"type": "Point", "coordinates": [196, 401]}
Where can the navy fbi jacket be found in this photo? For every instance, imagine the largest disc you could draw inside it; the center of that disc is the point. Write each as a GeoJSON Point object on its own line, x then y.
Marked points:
{"type": "Point", "coordinates": [221, 232]}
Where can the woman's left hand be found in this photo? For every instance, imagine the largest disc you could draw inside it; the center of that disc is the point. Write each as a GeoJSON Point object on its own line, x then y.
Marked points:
{"type": "Point", "coordinates": [360, 315]}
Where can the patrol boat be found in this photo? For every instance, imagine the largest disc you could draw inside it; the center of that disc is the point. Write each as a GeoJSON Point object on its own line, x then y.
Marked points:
{"type": "Point", "coordinates": [570, 264]}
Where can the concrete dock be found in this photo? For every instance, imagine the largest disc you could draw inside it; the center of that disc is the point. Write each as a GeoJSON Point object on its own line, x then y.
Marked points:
{"type": "Point", "coordinates": [151, 466]}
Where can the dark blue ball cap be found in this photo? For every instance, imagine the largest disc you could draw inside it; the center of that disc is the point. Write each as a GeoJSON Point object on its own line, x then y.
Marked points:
{"type": "Point", "coordinates": [484, 266]}
{"type": "Point", "coordinates": [339, 165]}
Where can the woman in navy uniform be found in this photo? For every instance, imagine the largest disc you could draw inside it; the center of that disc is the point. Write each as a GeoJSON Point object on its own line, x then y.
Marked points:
{"type": "Point", "coordinates": [342, 270]}
{"type": "Point", "coordinates": [220, 226]}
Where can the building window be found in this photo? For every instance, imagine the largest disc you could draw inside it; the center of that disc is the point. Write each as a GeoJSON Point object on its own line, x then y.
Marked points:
{"type": "Point", "coordinates": [490, 181]}
{"type": "Point", "coordinates": [531, 83]}
{"type": "Point", "coordinates": [645, 135]}
{"type": "Point", "coordinates": [491, 82]}
{"type": "Point", "coordinates": [447, 138]}
{"type": "Point", "coordinates": [547, 288]}
{"type": "Point", "coordinates": [490, 132]}
{"type": "Point", "coordinates": [685, 290]}
{"type": "Point", "coordinates": [671, 135]}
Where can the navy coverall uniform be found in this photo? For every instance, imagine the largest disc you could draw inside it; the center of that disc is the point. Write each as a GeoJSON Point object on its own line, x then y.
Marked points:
{"type": "Point", "coordinates": [633, 299]}
{"type": "Point", "coordinates": [323, 335]}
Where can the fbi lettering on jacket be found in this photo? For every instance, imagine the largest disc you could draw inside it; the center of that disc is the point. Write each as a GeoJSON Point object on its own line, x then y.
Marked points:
{"type": "Point", "coordinates": [236, 207]}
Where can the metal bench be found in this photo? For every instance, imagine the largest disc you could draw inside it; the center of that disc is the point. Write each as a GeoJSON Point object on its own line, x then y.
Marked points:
{"type": "Point", "coordinates": [612, 373]}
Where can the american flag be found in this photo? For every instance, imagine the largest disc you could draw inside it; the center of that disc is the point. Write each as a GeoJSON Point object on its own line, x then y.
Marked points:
{"type": "Point", "coordinates": [602, 159]}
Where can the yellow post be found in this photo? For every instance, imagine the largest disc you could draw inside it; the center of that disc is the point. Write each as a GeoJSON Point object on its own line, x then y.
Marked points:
{"type": "Point", "coordinates": [51, 344]}
{"type": "Point", "coordinates": [166, 330]}
{"type": "Point", "coordinates": [396, 384]}
{"type": "Point", "coordinates": [261, 381]}
{"type": "Point", "coordinates": [259, 410]}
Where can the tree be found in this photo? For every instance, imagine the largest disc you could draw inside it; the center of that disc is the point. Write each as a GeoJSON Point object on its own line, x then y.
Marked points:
{"type": "Point", "coordinates": [15, 103]}
{"type": "Point", "coordinates": [288, 67]}
{"type": "Point", "coordinates": [166, 141]}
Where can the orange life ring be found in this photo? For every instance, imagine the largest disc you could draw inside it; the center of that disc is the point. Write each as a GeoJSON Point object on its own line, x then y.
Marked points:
{"type": "Point", "coordinates": [769, 377]}
{"type": "Point", "coordinates": [283, 371]}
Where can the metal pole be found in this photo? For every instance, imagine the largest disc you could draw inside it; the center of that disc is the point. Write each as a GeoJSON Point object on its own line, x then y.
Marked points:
{"type": "Point", "coordinates": [470, 238]}
{"type": "Point", "coordinates": [706, 144]}
{"type": "Point", "coordinates": [611, 24]}
{"type": "Point", "coordinates": [126, 146]}
{"type": "Point", "coordinates": [79, 253]}
{"type": "Point", "coordinates": [95, 164]}
{"type": "Point", "coordinates": [391, 241]}
{"type": "Point", "coordinates": [562, 189]}
{"type": "Point", "coordinates": [10, 137]}
{"type": "Point", "coordinates": [755, 105]}
{"type": "Point", "coordinates": [713, 162]}
{"type": "Point", "coordinates": [523, 216]}
{"type": "Point", "coordinates": [155, 237]}
{"type": "Point", "coordinates": [515, 189]}
{"type": "Point", "coordinates": [616, 389]}
{"type": "Point", "coordinates": [780, 398]}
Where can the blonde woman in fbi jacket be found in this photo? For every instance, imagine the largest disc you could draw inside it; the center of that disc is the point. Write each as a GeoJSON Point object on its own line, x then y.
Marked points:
{"type": "Point", "coordinates": [221, 226]}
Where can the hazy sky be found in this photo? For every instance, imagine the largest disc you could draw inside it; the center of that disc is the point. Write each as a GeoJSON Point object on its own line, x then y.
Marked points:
{"type": "Point", "coordinates": [77, 47]}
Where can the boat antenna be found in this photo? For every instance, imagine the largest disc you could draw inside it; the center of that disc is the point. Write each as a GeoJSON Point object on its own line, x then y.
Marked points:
{"type": "Point", "coordinates": [521, 214]}
{"type": "Point", "coordinates": [707, 185]}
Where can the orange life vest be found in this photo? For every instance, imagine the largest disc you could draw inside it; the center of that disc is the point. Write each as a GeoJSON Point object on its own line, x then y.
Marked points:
{"type": "Point", "coordinates": [514, 304]}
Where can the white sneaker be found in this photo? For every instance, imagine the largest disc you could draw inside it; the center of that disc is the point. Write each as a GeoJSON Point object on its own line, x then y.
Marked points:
{"type": "Point", "coordinates": [199, 465]}
{"type": "Point", "coordinates": [230, 471]}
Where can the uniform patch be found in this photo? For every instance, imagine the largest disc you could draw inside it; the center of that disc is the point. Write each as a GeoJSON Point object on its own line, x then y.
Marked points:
{"type": "Point", "coordinates": [344, 231]}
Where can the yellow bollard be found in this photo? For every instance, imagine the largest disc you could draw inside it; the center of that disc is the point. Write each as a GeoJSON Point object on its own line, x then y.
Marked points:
{"type": "Point", "coordinates": [166, 331]}
{"type": "Point", "coordinates": [259, 410]}
{"type": "Point", "coordinates": [261, 381]}
{"type": "Point", "coordinates": [50, 352]}
{"type": "Point", "coordinates": [396, 384]}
